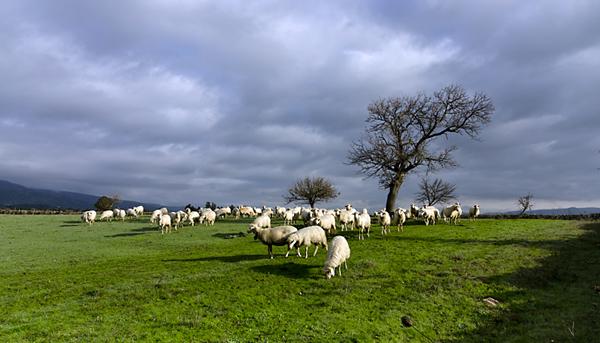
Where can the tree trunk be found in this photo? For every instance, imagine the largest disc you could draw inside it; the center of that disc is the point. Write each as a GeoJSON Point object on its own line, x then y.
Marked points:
{"type": "Point", "coordinates": [390, 204]}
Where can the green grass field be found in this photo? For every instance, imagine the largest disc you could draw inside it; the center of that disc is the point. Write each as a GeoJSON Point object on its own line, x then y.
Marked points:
{"type": "Point", "coordinates": [64, 281]}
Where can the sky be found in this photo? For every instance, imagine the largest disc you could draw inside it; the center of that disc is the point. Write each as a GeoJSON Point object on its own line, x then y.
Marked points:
{"type": "Point", "coordinates": [178, 102]}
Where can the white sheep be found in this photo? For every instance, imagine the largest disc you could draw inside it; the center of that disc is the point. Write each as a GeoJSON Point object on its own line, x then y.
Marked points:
{"type": "Point", "coordinates": [209, 216]}
{"type": "Point", "coordinates": [155, 216]}
{"type": "Point", "coordinates": [273, 236]}
{"type": "Point", "coordinates": [108, 215]}
{"type": "Point", "coordinates": [346, 219]}
{"type": "Point", "coordinates": [165, 223]}
{"type": "Point", "coordinates": [428, 215]}
{"type": "Point", "coordinates": [474, 212]}
{"type": "Point", "coordinates": [339, 252]}
{"type": "Point", "coordinates": [262, 221]}
{"type": "Point", "coordinates": [447, 211]}
{"type": "Point", "coordinates": [400, 215]}
{"type": "Point", "coordinates": [280, 211]}
{"type": "Point", "coordinates": [326, 222]}
{"type": "Point", "coordinates": [89, 217]}
{"type": "Point", "coordinates": [192, 215]}
{"type": "Point", "coordinates": [385, 220]}
{"type": "Point", "coordinates": [363, 223]}
{"type": "Point", "coordinates": [306, 237]}
{"type": "Point", "coordinates": [246, 211]}
{"type": "Point", "coordinates": [139, 210]}
{"type": "Point", "coordinates": [121, 214]}
{"type": "Point", "coordinates": [288, 217]}
{"type": "Point", "coordinates": [222, 212]}
{"type": "Point", "coordinates": [132, 213]}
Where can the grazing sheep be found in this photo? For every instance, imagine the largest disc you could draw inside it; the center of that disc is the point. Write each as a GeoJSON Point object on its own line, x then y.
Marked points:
{"type": "Point", "coordinates": [108, 215]}
{"type": "Point", "coordinates": [273, 236]}
{"type": "Point", "coordinates": [165, 223]}
{"type": "Point", "coordinates": [262, 221]}
{"type": "Point", "coordinates": [139, 210]}
{"type": "Point", "coordinates": [155, 216]}
{"type": "Point", "coordinates": [222, 212]}
{"type": "Point", "coordinates": [326, 222]}
{"type": "Point", "coordinates": [413, 212]}
{"type": "Point", "coordinates": [121, 214]}
{"type": "Point", "coordinates": [363, 223]}
{"type": "Point", "coordinates": [400, 215]}
{"type": "Point", "coordinates": [306, 237]}
{"type": "Point", "coordinates": [132, 213]}
{"type": "Point", "coordinates": [89, 217]}
{"type": "Point", "coordinates": [428, 215]}
{"type": "Point", "coordinates": [209, 216]}
{"type": "Point", "coordinates": [246, 211]}
{"type": "Point", "coordinates": [385, 221]}
{"type": "Point", "coordinates": [474, 212]}
{"type": "Point", "coordinates": [192, 215]}
{"type": "Point", "coordinates": [346, 218]}
{"type": "Point", "coordinates": [338, 253]}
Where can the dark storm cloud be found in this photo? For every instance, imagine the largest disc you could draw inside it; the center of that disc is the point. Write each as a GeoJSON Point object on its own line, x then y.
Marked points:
{"type": "Point", "coordinates": [187, 101]}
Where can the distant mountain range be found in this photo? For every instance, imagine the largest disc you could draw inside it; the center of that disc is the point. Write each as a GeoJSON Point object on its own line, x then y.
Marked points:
{"type": "Point", "coordinates": [13, 195]}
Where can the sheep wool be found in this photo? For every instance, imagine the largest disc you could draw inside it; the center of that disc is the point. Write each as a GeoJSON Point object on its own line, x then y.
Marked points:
{"type": "Point", "coordinates": [339, 253]}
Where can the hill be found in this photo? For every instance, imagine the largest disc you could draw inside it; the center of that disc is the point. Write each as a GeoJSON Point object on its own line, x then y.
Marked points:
{"type": "Point", "coordinates": [13, 195]}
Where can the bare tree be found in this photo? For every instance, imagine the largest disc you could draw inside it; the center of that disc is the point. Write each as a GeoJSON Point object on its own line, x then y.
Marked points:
{"type": "Point", "coordinates": [435, 192]}
{"type": "Point", "coordinates": [525, 203]}
{"type": "Point", "coordinates": [400, 133]}
{"type": "Point", "coordinates": [311, 190]}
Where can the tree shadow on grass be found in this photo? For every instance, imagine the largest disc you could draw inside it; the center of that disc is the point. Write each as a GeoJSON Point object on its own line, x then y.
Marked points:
{"type": "Point", "coordinates": [227, 259]}
{"type": "Point", "coordinates": [135, 232]}
{"type": "Point", "coordinates": [229, 235]}
{"type": "Point", "coordinates": [289, 269]}
{"type": "Point", "coordinates": [558, 300]}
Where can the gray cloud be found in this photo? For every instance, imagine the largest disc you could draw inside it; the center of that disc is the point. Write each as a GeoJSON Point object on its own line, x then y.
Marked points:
{"type": "Point", "coordinates": [233, 101]}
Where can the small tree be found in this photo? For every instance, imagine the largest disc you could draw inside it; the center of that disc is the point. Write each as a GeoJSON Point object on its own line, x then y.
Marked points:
{"type": "Point", "coordinates": [105, 203]}
{"type": "Point", "coordinates": [435, 192]}
{"type": "Point", "coordinates": [525, 203]}
{"type": "Point", "coordinates": [311, 190]}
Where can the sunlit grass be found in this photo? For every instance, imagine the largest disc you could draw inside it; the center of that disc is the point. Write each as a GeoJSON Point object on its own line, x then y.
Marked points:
{"type": "Point", "coordinates": [64, 281]}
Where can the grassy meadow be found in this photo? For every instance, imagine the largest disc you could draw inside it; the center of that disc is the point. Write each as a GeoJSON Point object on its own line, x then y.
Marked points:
{"type": "Point", "coordinates": [61, 280]}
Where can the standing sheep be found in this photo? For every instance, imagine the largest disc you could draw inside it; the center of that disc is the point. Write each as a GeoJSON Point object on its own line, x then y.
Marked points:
{"type": "Point", "coordinates": [209, 216]}
{"type": "Point", "coordinates": [474, 212]}
{"type": "Point", "coordinates": [346, 218]}
{"type": "Point", "coordinates": [326, 222]}
{"type": "Point", "coordinates": [339, 253]}
{"type": "Point", "coordinates": [400, 215]}
{"type": "Point", "coordinates": [363, 223]}
{"type": "Point", "coordinates": [385, 221]}
{"type": "Point", "coordinates": [262, 221]}
{"type": "Point", "coordinates": [108, 215]}
{"type": "Point", "coordinates": [274, 236]}
{"type": "Point", "coordinates": [306, 237]}
{"type": "Point", "coordinates": [165, 223]}
{"type": "Point", "coordinates": [89, 217]}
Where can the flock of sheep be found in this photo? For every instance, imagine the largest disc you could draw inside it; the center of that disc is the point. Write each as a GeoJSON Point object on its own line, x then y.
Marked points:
{"type": "Point", "coordinates": [318, 223]}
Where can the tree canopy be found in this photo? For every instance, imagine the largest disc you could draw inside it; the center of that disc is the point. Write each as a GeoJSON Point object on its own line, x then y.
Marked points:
{"type": "Point", "coordinates": [400, 132]}
{"type": "Point", "coordinates": [311, 190]}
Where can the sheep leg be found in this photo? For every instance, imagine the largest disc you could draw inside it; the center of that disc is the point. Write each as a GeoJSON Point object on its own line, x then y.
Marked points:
{"type": "Point", "coordinates": [316, 248]}
{"type": "Point", "coordinates": [346, 264]}
{"type": "Point", "coordinates": [306, 252]}
{"type": "Point", "coordinates": [340, 270]}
